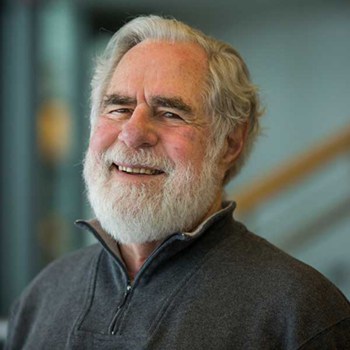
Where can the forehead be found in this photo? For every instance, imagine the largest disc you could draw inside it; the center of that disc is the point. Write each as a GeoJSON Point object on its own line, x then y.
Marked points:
{"type": "Point", "coordinates": [161, 68]}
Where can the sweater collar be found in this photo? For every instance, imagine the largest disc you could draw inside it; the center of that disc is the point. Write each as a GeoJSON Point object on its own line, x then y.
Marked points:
{"type": "Point", "coordinates": [111, 245]}
{"type": "Point", "coordinates": [227, 207]}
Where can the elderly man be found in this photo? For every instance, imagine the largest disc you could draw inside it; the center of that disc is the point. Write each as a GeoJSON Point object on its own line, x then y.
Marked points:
{"type": "Point", "coordinates": [174, 116]}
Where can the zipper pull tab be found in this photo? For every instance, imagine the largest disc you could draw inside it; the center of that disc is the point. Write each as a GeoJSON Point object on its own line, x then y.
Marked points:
{"type": "Point", "coordinates": [127, 291]}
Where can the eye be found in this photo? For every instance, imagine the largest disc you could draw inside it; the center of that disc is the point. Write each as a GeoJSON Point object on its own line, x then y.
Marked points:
{"type": "Point", "coordinates": [120, 111]}
{"type": "Point", "coordinates": [171, 115]}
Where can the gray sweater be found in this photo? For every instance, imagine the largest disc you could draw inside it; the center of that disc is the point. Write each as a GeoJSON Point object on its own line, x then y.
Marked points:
{"type": "Point", "coordinates": [223, 288]}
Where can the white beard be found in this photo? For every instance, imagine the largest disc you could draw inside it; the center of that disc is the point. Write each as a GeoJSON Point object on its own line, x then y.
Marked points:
{"type": "Point", "coordinates": [151, 211]}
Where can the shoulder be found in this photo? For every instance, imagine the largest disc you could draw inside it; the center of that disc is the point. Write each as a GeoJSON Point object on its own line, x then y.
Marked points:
{"type": "Point", "coordinates": [57, 292]}
{"type": "Point", "coordinates": [63, 274]}
{"type": "Point", "coordinates": [263, 287]}
{"type": "Point", "coordinates": [257, 260]}
{"type": "Point", "coordinates": [279, 286]}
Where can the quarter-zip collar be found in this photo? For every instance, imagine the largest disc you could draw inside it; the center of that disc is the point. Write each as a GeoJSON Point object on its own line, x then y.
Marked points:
{"type": "Point", "coordinates": [111, 245]}
{"type": "Point", "coordinates": [111, 279]}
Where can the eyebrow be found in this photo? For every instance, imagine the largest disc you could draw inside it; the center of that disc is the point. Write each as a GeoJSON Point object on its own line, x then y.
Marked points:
{"type": "Point", "coordinates": [172, 102]}
{"type": "Point", "coordinates": [156, 101]}
{"type": "Point", "coordinates": [116, 99]}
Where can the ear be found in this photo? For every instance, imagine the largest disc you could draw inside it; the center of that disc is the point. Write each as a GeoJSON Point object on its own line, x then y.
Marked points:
{"type": "Point", "coordinates": [234, 144]}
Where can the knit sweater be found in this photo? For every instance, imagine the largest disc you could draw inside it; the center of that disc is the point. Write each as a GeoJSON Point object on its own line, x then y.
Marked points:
{"type": "Point", "coordinates": [222, 288]}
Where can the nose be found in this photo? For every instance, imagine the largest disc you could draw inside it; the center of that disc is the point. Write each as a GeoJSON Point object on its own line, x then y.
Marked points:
{"type": "Point", "coordinates": [139, 130]}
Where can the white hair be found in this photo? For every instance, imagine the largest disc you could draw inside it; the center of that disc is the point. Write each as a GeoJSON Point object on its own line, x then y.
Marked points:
{"type": "Point", "coordinates": [230, 98]}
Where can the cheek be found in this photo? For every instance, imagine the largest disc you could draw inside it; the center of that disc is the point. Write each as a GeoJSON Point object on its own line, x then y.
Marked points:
{"type": "Point", "coordinates": [103, 136]}
{"type": "Point", "coordinates": [188, 146]}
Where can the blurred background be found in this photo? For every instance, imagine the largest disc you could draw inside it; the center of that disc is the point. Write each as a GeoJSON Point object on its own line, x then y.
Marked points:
{"type": "Point", "coordinates": [295, 189]}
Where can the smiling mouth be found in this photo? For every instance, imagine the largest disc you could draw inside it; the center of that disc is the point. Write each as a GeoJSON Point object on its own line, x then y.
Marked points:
{"type": "Point", "coordinates": [137, 170]}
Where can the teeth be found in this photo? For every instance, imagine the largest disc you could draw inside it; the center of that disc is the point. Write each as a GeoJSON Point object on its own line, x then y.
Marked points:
{"type": "Point", "coordinates": [138, 170]}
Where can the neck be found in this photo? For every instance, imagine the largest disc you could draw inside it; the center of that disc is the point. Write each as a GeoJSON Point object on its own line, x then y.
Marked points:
{"type": "Point", "coordinates": [134, 255]}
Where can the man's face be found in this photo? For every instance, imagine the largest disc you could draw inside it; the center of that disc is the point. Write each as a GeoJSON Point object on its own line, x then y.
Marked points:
{"type": "Point", "coordinates": [147, 155]}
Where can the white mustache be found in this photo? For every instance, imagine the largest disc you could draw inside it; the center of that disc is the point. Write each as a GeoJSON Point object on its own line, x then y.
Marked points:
{"type": "Point", "coordinates": [121, 155]}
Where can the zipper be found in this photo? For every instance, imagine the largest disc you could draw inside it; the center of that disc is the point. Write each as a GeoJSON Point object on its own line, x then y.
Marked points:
{"type": "Point", "coordinates": [114, 324]}
{"type": "Point", "coordinates": [113, 328]}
